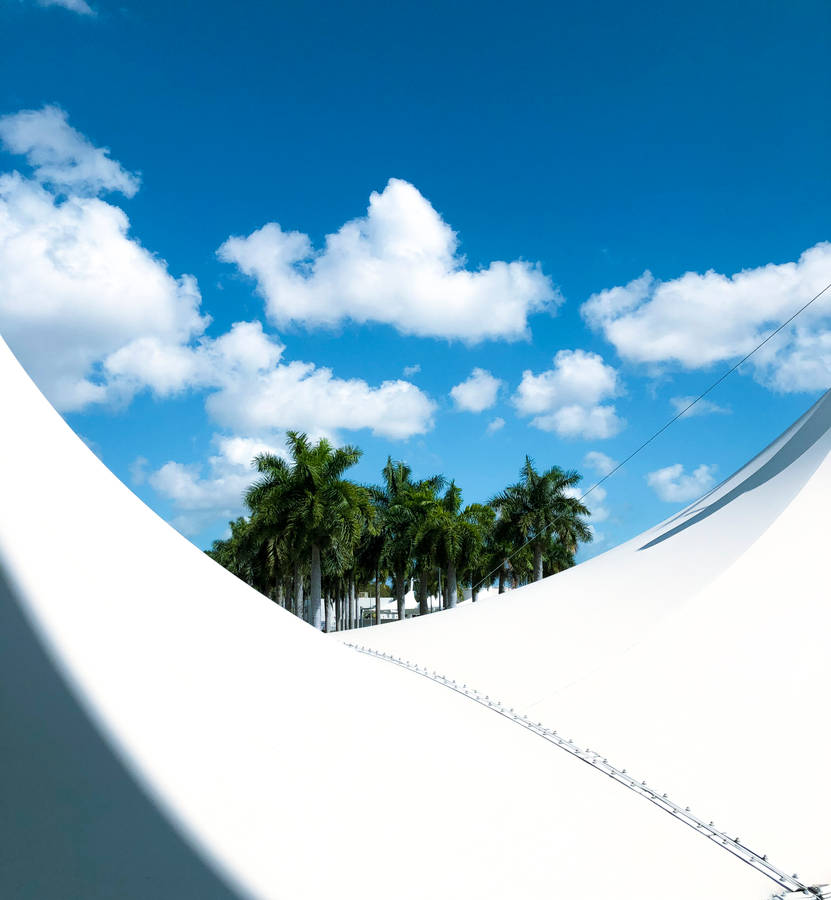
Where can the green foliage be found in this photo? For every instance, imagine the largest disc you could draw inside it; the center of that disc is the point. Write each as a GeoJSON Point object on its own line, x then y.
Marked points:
{"type": "Point", "coordinates": [302, 509]}
{"type": "Point", "coordinates": [541, 511]}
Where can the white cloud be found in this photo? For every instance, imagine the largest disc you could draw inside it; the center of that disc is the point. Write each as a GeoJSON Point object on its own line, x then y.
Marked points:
{"type": "Point", "coordinates": [600, 462]}
{"type": "Point", "coordinates": [409, 371]}
{"type": "Point", "coordinates": [301, 395]}
{"type": "Point", "coordinates": [569, 398]}
{"type": "Point", "coordinates": [254, 391]}
{"type": "Point", "coordinates": [203, 494]}
{"type": "Point", "coordinates": [74, 288]}
{"type": "Point", "coordinates": [78, 6]}
{"type": "Point", "coordinates": [673, 485]}
{"type": "Point", "coordinates": [61, 156]}
{"type": "Point", "coordinates": [697, 320]}
{"type": "Point", "coordinates": [702, 408]}
{"type": "Point", "coordinates": [495, 424]}
{"type": "Point", "coordinates": [398, 265]}
{"type": "Point", "coordinates": [477, 392]}
{"type": "Point", "coordinates": [95, 318]}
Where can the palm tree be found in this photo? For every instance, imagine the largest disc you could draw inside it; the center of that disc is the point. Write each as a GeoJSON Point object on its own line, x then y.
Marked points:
{"type": "Point", "coordinates": [401, 504]}
{"type": "Point", "coordinates": [370, 553]}
{"type": "Point", "coordinates": [451, 535]}
{"type": "Point", "coordinates": [481, 561]}
{"type": "Point", "coordinates": [267, 500]}
{"type": "Point", "coordinates": [539, 503]}
{"type": "Point", "coordinates": [234, 552]}
{"type": "Point", "coordinates": [319, 511]}
{"type": "Point", "coordinates": [396, 517]}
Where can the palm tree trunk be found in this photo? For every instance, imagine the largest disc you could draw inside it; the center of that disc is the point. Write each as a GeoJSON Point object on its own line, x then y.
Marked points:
{"type": "Point", "coordinates": [400, 588]}
{"type": "Point", "coordinates": [423, 608]}
{"type": "Point", "coordinates": [451, 585]}
{"type": "Point", "coordinates": [440, 598]}
{"type": "Point", "coordinates": [502, 578]}
{"type": "Point", "coordinates": [298, 593]}
{"type": "Point", "coordinates": [537, 562]}
{"type": "Point", "coordinates": [279, 598]}
{"type": "Point", "coordinates": [314, 600]}
{"type": "Point", "coordinates": [328, 619]}
{"type": "Point", "coordinates": [377, 596]}
{"type": "Point", "coordinates": [353, 602]}
{"type": "Point", "coordinates": [474, 593]}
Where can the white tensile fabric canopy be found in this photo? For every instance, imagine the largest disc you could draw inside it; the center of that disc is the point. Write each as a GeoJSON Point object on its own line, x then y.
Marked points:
{"type": "Point", "coordinates": [292, 766]}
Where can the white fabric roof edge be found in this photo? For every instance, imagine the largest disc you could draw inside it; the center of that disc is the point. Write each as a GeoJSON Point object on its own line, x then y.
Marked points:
{"type": "Point", "coordinates": [251, 730]}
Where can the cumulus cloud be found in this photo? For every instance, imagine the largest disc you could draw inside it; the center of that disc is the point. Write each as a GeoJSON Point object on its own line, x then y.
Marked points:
{"type": "Point", "coordinates": [95, 317]}
{"type": "Point", "coordinates": [61, 156]}
{"type": "Point", "coordinates": [495, 424]}
{"type": "Point", "coordinates": [201, 494]}
{"type": "Point", "coordinates": [301, 395]}
{"type": "Point", "coordinates": [75, 287]}
{"type": "Point", "coordinates": [673, 485]}
{"type": "Point", "coordinates": [702, 408]}
{"type": "Point", "coordinates": [600, 462]}
{"type": "Point", "coordinates": [398, 265]}
{"type": "Point", "coordinates": [697, 320]}
{"type": "Point", "coordinates": [477, 392]}
{"type": "Point", "coordinates": [254, 391]}
{"type": "Point", "coordinates": [571, 399]}
{"type": "Point", "coordinates": [409, 371]}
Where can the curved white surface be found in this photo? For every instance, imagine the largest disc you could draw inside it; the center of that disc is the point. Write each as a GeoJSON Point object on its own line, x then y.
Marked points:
{"type": "Point", "coordinates": [304, 770]}
{"type": "Point", "coordinates": [695, 654]}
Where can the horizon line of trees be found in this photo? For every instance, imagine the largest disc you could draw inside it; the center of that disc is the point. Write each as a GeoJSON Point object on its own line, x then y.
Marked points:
{"type": "Point", "coordinates": [312, 534]}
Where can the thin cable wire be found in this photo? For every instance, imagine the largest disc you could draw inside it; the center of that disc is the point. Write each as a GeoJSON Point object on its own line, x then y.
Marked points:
{"type": "Point", "coordinates": [659, 432]}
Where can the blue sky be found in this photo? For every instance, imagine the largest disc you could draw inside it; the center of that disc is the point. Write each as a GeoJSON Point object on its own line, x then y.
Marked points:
{"type": "Point", "coordinates": [527, 165]}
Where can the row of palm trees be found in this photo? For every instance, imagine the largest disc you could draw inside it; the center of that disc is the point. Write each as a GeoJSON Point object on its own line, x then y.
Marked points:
{"type": "Point", "coordinates": [313, 534]}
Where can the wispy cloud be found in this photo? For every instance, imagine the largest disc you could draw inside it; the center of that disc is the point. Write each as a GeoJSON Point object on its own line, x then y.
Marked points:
{"type": "Point", "coordinates": [61, 156]}
{"type": "Point", "coordinates": [702, 408]}
{"type": "Point", "coordinates": [78, 6]}
{"type": "Point", "coordinates": [600, 462]}
{"type": "Point", "coordinates": [673, 485]}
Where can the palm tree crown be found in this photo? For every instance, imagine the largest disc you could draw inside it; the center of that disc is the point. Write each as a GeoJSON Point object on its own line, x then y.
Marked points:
{"type": "Point", "coordinates": [539, 508]}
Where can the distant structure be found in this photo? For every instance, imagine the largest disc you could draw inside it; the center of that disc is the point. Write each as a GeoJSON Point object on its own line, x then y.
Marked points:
{"type": "Point", "coordinates": [167, 732]}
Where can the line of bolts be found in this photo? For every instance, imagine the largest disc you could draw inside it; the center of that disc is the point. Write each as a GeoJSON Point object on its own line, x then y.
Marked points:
{"type": "Point", "coordinates": [549, 733]}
